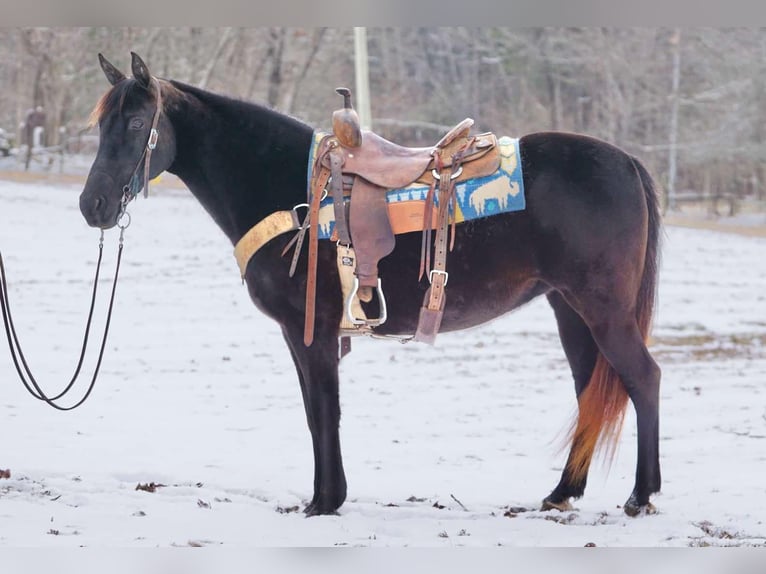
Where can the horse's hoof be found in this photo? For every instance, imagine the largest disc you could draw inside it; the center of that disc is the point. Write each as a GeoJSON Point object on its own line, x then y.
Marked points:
{"type": "Point", "coordinates": [632, 509]}
{"type": "Point", "coordinates": [315, 509]}
{"type": "Point", "coordinates": [563, 506]}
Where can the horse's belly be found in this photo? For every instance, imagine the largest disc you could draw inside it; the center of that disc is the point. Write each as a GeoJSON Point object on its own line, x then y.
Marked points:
{"type": "Point", "coordinates": [488, 277]}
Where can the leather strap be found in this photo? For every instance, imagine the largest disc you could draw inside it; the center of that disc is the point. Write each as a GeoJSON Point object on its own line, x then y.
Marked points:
{"type": "Point", "coordinates": [153, 136]}
{"type": "Point", "coordinates": [345, 346]}
{"type": "Point", "coordinates": [439, 279]}
{"type": "Point", "coordinates": [432, 311]}
{"type": "Point", "coordinates": [430, 318]}
{"type": "Point", "coordinates": [261, 233]}
{"type": "Point", "coordinates": [133, 187]}
{"type": "Point", "coordinates": [317, 190]}
{"type": "Point", "coordinates": [428, 208]}
{"type": "Point", "coordinates": [457, 162]}
{"type": "Point", "coordinates": [336, 190]}
{"type": "Point", "coordinates": [298, 242]}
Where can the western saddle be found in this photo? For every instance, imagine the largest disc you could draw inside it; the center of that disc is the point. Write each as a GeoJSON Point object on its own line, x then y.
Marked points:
{"type": "Point", "coordinates": [356, 168]}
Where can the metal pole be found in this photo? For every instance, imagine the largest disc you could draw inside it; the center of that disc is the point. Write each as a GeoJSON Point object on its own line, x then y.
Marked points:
{"type": "Point", "coordinates": [675, 42]}
{"type": "Point", "coordinates": [362, 74]}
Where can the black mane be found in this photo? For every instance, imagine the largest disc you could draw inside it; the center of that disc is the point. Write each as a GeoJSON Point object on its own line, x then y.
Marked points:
{"type": "Point", "coordinates": [255, 156]}
{"type": "Point", "coordinates": [229, 106]}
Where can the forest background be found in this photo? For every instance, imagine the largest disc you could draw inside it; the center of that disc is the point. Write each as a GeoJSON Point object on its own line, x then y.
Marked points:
{"type": "Point", "coordinates": [688, 101]}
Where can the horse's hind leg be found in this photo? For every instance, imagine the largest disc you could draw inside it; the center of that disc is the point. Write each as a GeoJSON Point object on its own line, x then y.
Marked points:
{"type": "Point", "coordinates": [581, 352]}
{"type": "Point", "coordinates": [317, 368]}
{"type": "Point", "coordinates": [620, 340]}
{"type": "Point", "coordinates": [621, 363]}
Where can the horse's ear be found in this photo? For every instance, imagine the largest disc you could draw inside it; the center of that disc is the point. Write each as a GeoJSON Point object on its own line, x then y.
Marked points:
{"type": "Point", "coordinates": [112, 74]}
{"type": "Point", "coordinates": [140, 71]}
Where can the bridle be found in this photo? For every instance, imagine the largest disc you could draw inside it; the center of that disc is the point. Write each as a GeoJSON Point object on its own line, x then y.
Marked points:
{"type": "Point", "coordinates": [133, 187]}
{"type": "Point", "coordinates": [130, 191]}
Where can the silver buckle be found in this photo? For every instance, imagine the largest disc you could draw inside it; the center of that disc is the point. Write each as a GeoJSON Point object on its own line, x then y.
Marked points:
{"type": "Point", "coordinates": [438, 272]}
{"type": "Point", "coordinates": [452, 176]}
{"type": "Point", "coordinates": [153, 136]}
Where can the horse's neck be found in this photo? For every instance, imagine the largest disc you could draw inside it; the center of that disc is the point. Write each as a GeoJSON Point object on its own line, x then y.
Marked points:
{"type": "Point", "coordinates": [241, 163]}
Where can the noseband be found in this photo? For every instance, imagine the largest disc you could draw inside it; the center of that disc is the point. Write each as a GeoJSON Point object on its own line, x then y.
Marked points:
{"type": "Point", "coordinates": [133, 188]}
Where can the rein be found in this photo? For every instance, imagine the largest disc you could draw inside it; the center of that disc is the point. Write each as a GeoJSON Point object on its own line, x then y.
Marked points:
{"type": "Point", "coordinates": [129, 192]}
{"type": "Point", "coordinates": [19, 360]}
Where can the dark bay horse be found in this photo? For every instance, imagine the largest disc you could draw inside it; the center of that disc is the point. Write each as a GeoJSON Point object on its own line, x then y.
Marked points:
{"type": "Point", "coordinates": [587, 240]}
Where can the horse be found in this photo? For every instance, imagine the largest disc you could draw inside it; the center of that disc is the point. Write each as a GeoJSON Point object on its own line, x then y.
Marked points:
{"type": "Point", "coordinates": [588, 241]}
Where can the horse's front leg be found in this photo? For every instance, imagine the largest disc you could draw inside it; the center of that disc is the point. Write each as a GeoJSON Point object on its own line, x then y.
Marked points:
{"type": "Point", "coordinates": [317, 368]}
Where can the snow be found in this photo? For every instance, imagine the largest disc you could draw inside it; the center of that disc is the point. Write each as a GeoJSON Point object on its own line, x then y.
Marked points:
{"type": "Point", "coordinates": [197, 392]}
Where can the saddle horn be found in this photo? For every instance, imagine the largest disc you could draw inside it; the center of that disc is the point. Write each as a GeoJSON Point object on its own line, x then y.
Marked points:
{"type": "Point", "coordinates": [345, 122]}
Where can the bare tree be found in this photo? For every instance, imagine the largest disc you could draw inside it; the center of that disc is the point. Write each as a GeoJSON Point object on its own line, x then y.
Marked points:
{"type": "Point", "coordinates": [613, 83]}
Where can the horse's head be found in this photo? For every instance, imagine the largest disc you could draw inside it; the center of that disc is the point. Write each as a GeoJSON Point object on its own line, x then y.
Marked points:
{"type": "Point", "coordinates": [126, 116]}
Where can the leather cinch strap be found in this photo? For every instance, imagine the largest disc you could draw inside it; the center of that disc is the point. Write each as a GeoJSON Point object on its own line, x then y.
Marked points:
{"type": "Point", "coordinates": [264, 231]}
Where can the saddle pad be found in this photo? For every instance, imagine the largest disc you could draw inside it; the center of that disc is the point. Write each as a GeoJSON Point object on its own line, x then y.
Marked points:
{"type": "Point", "coordinates": [500, 192]}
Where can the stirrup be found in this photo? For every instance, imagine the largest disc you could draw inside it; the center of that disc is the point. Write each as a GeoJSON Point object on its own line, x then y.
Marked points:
{"type": "Point", "coordinates": [368, 322]}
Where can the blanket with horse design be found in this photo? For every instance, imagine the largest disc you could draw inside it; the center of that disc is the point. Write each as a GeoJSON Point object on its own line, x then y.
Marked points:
{"type": "Point", "coordinates": [500, 192]}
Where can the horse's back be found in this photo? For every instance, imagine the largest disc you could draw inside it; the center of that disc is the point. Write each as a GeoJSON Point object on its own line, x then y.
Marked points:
{"type": "Point", "coordinates": [585, 209]}
{"type": "Point", "coordinates": [582, 173]}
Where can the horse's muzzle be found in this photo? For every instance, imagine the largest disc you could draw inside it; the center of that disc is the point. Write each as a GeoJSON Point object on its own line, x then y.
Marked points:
{"type": "Point", "coordinates": [97, 205]}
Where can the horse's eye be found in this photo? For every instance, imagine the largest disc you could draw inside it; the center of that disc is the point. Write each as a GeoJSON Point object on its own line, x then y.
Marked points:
{"type": "Point", "coordinates": [136, 123]}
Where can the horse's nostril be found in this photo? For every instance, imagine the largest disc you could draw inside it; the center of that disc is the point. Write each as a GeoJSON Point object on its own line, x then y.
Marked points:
{"type": "Point", "coordinates": [98, 203]}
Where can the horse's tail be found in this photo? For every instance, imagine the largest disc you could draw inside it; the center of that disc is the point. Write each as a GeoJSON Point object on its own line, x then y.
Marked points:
{"type": "Point", "coordinates": [603, 403]}
{"type": "Point", "coordinates": [648, 290]}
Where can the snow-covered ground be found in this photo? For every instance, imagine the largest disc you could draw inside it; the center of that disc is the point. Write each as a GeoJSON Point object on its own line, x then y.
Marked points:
{"type": "Point", "coordinates": [198, 393]}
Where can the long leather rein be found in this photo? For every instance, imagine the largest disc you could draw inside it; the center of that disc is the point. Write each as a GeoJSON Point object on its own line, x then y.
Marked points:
{"type": "Point", "coordinates": [17, 355]}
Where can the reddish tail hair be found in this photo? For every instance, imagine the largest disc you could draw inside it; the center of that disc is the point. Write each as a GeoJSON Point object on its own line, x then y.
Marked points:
{"type": "Point", "coordinates": [602, 405]}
